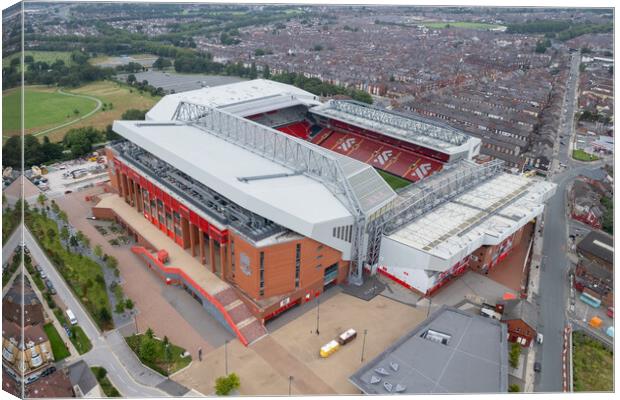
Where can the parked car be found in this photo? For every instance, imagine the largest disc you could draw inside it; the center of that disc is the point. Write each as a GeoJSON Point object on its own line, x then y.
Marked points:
{"type": "Point", "coordinates": [537, 367]}
{"type": "Point", "coordinates": [26, 250]}
{"type": "Point", "coordinates": [50, 286]}
{"type": "Point", "coordinates": [539, 338]}
{"type": "Point", "coordinates": [610, 312]}
{"type": "Point", "coordinates": [42, 273]}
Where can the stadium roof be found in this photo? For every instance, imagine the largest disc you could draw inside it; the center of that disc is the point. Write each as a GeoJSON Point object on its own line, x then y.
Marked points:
{"type": "Point", "coordinates": [405, 127]}
{"type": "Point", "coordinates": [254, 182]}
{"type": "Point", "coordinates": [486, 214]}
{"type": "Point", "coordinates": [242, 98]}
{"type": "Point", "coordinates": [469, 355]}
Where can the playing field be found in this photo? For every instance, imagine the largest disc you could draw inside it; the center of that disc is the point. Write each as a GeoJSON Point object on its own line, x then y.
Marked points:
{"type": "Point", "coordinates": [43, 108]}
{"type": "Point", "coordinates": [121, 97]}
{"type": "Point", "coordinates": [45, 56]}
{"type": "Point", "coordinates": [459, 24]}
{"type": "Point", "coordinates": [396, 182]}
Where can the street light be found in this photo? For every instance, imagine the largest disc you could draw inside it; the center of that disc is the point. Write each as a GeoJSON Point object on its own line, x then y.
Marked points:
{"type": "Point", "coordinates": [317, 315]}
{"type": "Point", "coordinates": [363, 345]}
{"type": "Point", "coordinates": [290, 381]}
{"type": "Point", "coordinates": [226, 355]}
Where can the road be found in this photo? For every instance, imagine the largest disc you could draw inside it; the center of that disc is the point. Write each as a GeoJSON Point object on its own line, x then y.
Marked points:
{"type": "Point", "coordinates": [107, 350]}
{"type": "Point", "coordinates": [553, 292]}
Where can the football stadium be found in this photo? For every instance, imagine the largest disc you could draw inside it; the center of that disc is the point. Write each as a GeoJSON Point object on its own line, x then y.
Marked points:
{"type": "Point", "coordinates": [257, 196]}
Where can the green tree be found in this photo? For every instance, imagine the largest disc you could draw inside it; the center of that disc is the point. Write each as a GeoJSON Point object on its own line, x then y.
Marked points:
{"type": "Point", "coordinates": [266, 72]}
{"type": "Point", "coordinates": [131, 79]}
{"type": "Point", "coordinates": [63, 216]}
{"type": "Point", "coordinates": [149, 333]}
{"type": "Point", "coordinates": [134, 115]}
{"type": "Point", "coordinates": [98, 251]}
{"type": "Point", "coordinates": [111, 262]}
{"type": "Point", "coordinates": [226, 384]}
{"type": "Point", "coordinates": [148, 349]}
{"type": "Point", "coordinates": [64, 234]}
{"type": "Point", "coordinates": [104, 316]}
{"type": "Point", "coordinates": [514, 388]}
{"type": "Point", "coordinates": [515, 352]}
{"type": "Point", "coordinates": [129, 304]}
{"type": "Point", "coordinates": [41, 199]}
{"type": "Point", "coordinates": [73, 241]}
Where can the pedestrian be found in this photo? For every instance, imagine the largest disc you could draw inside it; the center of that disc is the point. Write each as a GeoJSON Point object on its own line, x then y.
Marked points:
{"type": "Point", "coordinates": [200, 354]}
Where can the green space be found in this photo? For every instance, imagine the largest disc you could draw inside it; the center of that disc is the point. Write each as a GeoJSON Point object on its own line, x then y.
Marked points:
{"type": "Point", "coordinates": [58, 345]}
{"type": "Point", "coordinates": [83, 275]}
{"type": "Point", "coordinates": [581, 155]}
{"type": "Point", "coordinates": [396, 182]}
{"type": "Point", "coordinates": [77, 337]}
{"type": "Point", "coordinates": [11, 217]}
{"type": "Point", "coordinates": [459, 24]}
{"type": "Point", "coordinates": [108, 389]}
{"type": "Point", "coordinates": [48, 57]}
{"type": "Point", "coordinates": [593, 368]}
{"type": "Point", "coordinates": [11, 268]}
{"type": "Point", "coordinates": [159, 355]}
{"type": "Point", "coordinates": [43, 108]}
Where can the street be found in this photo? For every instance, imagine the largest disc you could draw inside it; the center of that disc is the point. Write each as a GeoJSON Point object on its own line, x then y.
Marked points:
{"type": "Point", "coordinates": [107, 351]}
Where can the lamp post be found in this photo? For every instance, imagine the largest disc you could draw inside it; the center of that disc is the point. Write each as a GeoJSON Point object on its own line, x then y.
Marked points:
{"type": "Point", "coordinates": [430, 303]}
{"type": "Point", "coordinates": [363, 345]}
{"type": "Point", "coordinates": [317, 315]}
{"type": "Point", "coordinates": [226, 356]}
{"type": "Point", "coordinates": [290, 381]}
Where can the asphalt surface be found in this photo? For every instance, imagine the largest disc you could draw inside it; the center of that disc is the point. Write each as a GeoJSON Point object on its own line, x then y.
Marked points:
{"type": "Point", "coordinates": [554, 281]}
{"type": "Point", "coordinates": [107, 351]}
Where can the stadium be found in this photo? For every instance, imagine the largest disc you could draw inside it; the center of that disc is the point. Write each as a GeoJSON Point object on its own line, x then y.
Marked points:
{"type": "Point", "coordinates": [257, 196]}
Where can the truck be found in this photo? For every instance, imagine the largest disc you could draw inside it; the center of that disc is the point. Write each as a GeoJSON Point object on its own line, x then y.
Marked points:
{"type": "Point", "coordinates": [329, 349]}
{"type": "Point", "coordinates": [346, 337]}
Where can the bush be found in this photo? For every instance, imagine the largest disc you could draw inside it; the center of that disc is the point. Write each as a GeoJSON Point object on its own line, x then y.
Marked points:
{"type": "Point", "coordinates": [515, 352]}
{"type": "Point", "coordinates": [226, 384]}
{"type": "Point", "coordinates": [514, 388]}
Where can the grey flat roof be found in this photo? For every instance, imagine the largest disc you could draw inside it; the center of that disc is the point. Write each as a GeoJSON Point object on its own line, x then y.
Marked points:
{"type": "Point", "coordinates": [598, 244]}
{"type": "Point", "coordinates": [474, 360]}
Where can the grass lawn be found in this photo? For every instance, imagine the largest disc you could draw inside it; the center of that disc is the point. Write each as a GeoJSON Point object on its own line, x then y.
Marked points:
{"type": "Point", "coordinates": [459, 24]}
{"type": "Point", "coordinates": [45, 56]}
{"type": "Point", "coordinates": [593, 365]}
{"type": "Point", "coordinates": [122, 98]}
{"type": "Point", "coordinates": [43, 108]}
{"type": "Point", "coordinates": [78, 337]}
{"type": "Point", "coordinates": [581, 155]}
{"type": "Point", "coordinates": [58, 346]}
{"type": "Point", "coordinates": [396, 182]}
{"type": "Point", "coordinates": [156, 359]}
{"type": "Point", "coordinates": [108, 389]}
{"type": "Point", "coordinates": [83, 275]}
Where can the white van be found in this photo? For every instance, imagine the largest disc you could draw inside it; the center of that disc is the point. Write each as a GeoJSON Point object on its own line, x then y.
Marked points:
{"type": "Point", "coordinates": [71, 316]}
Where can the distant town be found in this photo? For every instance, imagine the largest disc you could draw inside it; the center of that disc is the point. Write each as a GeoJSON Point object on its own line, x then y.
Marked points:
{"type": "Point", "coordinates": [234, 199]}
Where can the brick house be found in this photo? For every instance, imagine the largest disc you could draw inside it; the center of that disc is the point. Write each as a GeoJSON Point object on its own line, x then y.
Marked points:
{"type": "Point", "coordinates": [521, 318]}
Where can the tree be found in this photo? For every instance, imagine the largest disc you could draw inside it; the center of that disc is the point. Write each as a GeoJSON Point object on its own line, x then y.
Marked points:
{"type": "Point", "coordinates": [98, 251]}
{"type": "Point", "coordinates": [111, 262]}
{"type": "Point", "coordinates": [64, 234]}
{"type": "Point", "coordinates": [226, 384]}
{"type": "Point", "coordinates": [73, 241]}
{"type": "Point", "coordinates": [149, 333]}
{"type": "Point", "coordinates": [515, 352]}
{"type": "Point", "coordinates": [148, 349]}
{"type": "Point", "coordinates": [129, 304]}
{"type": "Point", "coordinates": [514, 388]}
{"type": "Point", "coordinates": [134, 115]}
{"type": "Point", "coordinates": [131, 79]}
{"type": "Point", "coordinates": [104, 316]}
{"type": "Point", "coordinates": [162, 63]}
{"type": "Point", "coordinates": [12, 152]}
{"type": "Point", "coordinates": [41, 199]}
{"type": "Point", "coordinates": [253, 73]}
{"type": "Point", "coordinates": [63, 216]}
{"type": "Point", "coordinates": [266, 72]}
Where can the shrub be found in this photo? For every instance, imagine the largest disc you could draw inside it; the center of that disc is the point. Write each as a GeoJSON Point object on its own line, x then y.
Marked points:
{"type": "Point", "coordinates": [515, 352]}
{"type": "Point", "coordinates": [226, 384]}
{"type": "Point", "coordinates": [514, 388]}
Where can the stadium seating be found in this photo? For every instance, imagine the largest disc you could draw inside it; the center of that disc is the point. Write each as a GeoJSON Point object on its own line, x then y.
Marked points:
{"type": "Point", "coordinates": [300, 129]}
{"type": "Point", "coordinates": [406, 164]}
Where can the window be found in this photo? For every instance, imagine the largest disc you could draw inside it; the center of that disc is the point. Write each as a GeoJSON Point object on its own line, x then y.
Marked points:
{"type": "Point", "coordinates": [262, 273]}
{"type": "Point", "coordinates": [232, 256]}
{"type": "Point", "coordinates": [437, 337]}
{"type": "Point", "coordinates": [169, 220]}
{"type": "Point", "coordinates": [297, 263]}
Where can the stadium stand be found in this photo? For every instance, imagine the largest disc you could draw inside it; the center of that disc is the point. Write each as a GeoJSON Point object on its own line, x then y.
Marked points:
{"type": "Point", "coordinates": [406, 164]}
{"type": "Point", "coordinates": [300, 129]}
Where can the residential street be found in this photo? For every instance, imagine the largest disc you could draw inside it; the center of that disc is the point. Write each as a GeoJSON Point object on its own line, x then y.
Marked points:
{"type": "Point", "coordinates": [130, 377]}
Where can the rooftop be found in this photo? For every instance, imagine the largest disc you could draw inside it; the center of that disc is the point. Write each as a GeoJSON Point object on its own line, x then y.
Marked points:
{"type": "Point", "coordinates": [520, 309]}
{"type": "Point", "coordinates": [598, 244]}
{"type": "Point", "coordinates": [486, 212]}
{"type": "Point", "coordinates": [243, 98]}
{"type": "Point", "coordinates": [450, 352]}
{"type": "Point", "coordinates": [408, 127]}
